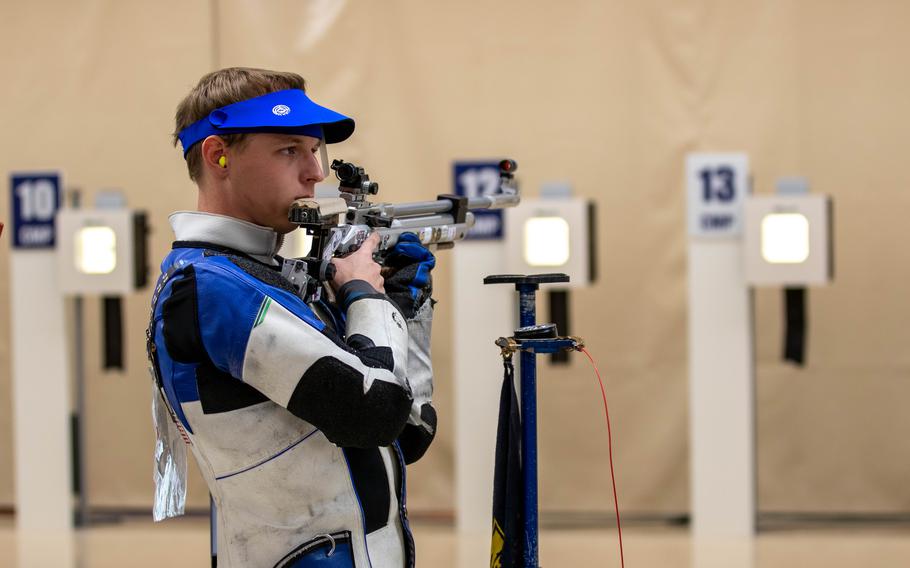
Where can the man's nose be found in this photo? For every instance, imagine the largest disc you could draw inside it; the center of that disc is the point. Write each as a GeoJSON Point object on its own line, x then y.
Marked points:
{"type": "Point", "coordinates": [312, 171]}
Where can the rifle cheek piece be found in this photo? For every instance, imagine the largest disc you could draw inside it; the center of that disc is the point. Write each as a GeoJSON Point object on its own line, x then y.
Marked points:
{"type": "Point", "coordinates": [317, 211]}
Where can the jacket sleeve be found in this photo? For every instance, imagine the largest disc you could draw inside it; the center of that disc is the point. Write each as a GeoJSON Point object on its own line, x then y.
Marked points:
{"type": "Point", "coordinates": [420, 429]}
{"type": "Point", "coordinates": [355, 391]}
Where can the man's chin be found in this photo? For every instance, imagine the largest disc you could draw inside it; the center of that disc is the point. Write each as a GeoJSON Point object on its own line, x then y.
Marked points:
{"type": "Point", "coordinates": [284, 228]}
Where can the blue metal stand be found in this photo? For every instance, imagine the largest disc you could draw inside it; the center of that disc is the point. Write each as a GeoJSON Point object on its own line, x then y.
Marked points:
{"type": "Point", "coordinates": [531, 339]}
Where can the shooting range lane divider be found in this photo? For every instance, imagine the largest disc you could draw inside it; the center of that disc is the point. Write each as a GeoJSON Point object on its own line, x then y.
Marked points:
{"type": "Point", "coordinates": [40, 409]}
{"type": "Point", "coordinates": [529, 340]}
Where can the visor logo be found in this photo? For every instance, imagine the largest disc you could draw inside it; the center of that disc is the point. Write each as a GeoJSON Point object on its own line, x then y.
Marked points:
{"type": "Point", "coordinates": [281, 110]}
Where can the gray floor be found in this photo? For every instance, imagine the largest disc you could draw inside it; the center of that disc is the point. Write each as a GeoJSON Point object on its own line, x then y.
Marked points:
{"type": "Point", "coordinates": [184, 543]}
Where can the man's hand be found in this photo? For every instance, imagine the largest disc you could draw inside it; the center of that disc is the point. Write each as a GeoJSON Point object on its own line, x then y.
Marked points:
{"type": "Point", "coordinates": [407, 273]}
{"type": "Point", "coordinates": [359, 265]}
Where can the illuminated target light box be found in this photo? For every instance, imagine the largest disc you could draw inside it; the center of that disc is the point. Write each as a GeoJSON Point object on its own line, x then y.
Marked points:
{"type": "Point", "coordinates": [101, 251]}
{"type": "Point", "coordinates": [552, 235]}
{"type": "Point", "coordinates": [787, 240]}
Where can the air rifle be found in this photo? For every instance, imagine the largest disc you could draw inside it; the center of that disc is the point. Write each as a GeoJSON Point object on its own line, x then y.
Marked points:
{"type": "Point", "coordinates": [340, 225]}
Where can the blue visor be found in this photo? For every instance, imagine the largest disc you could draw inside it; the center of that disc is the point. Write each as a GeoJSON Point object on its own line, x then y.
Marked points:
{"type": "Point", "coordinates": [284, 112]}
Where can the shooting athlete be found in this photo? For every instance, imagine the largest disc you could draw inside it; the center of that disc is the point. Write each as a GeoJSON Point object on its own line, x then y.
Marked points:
{"type": "Point", "coordinates": [300, 427]}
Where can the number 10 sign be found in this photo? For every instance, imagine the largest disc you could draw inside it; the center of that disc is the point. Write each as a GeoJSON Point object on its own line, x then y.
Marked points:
{"type": "Point", "coordinates": [36, 198]}
{"type": "Point", "coordinates": [716, 185]}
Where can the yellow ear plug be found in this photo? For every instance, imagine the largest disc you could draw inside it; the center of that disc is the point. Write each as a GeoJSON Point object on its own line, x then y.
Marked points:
{"type": "Point", "coordinates": [222, 161]}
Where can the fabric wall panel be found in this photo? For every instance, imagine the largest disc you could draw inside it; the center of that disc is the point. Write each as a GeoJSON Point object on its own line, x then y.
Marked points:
{"type": "Point", "coordinates": [91, 90]}
{"type": "Point", "coordinates": [610, 95]}
{"type": "Point", "coordinates": [831, 436]}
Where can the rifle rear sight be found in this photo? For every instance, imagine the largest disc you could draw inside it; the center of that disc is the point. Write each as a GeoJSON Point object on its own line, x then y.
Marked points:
{"type": "Point", "coordinates": [354, 179]}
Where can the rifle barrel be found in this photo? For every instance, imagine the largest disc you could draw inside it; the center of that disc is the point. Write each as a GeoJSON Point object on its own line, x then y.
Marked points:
{"type": "Point", "coordinates": [422, 221]}
{"type": "Point", "coordinates": [443, 205]}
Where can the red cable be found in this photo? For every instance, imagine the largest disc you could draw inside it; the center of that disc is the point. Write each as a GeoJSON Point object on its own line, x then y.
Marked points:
{"type": "Point", "coordinates": [603, 392]}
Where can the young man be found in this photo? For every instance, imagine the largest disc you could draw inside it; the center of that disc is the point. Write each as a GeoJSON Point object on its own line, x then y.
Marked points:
{"type": "Point", "coordinates": [301, 429]}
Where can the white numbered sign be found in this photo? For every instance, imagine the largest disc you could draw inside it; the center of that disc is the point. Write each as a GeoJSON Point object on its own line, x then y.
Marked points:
{"type": "Point", "coordinates": [35, 200]}
{"type": "Point", "coordinates": [716, 186]}
{"type": "Point", "coordinates": [476, 179]}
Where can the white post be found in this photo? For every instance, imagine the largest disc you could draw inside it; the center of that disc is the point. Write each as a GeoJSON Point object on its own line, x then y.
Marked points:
{"type": "Point", "coordinates": [41, 395]}
{"type": "Point", "coordinates": [721, 392]}
{"type": "Point", "coordinates": [721, 365]}
{"type": "Point", "coordinates": [482, 313]}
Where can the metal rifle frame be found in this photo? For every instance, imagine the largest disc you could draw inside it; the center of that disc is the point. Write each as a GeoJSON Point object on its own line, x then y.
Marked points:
{"type": "Point", "coordinates": [531, 340]}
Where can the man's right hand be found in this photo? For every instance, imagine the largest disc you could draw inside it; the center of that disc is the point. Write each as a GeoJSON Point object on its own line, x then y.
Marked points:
{"type": "Point", "coordinates": [359, 265]}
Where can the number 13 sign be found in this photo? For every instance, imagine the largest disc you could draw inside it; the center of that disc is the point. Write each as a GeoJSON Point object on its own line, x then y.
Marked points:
{"type": "Point", "coordinates": [716, 185]}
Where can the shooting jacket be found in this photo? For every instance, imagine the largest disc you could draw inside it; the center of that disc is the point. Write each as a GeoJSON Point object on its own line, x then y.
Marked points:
{"type": "Point", "coordinates": [301, 429]}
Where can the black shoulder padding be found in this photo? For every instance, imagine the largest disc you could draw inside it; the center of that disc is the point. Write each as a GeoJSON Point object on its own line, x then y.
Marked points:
{"type": "Point", "coordinates": [369, 354]}
{"type": "Point", "coordinates": [180, 315]}
{"type": "Point", "coordinates": [364, 349]}
{"type": "Point", "coordinates": [415, 440]}
{"type": "Point", "coordinates": [371, 481]}
{"type": "Point", "coordinates": [330, 396]}
{"type": "Point", "coordinates": [258, 270]}
{"type": "Point", "coordinates": [358, 341]}
{"type": "Point", "coordinates": [378, 358]}
{"type": "Point", "coordinates": [220, 392]}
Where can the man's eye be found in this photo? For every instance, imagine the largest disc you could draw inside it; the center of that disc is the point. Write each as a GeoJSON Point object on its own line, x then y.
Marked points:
{"type": "Point", "coordinates": [315, 149]}
{"type": "Point", "coordinates": [290, 150]}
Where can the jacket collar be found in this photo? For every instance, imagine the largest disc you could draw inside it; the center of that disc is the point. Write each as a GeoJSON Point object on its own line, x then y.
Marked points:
{"type": "Point", "coordinates": [262, 243]}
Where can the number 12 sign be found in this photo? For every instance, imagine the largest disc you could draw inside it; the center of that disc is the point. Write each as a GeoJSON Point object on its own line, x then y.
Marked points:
{"type": "Point", "coordinates": [36, 198]}
{"type": "Point", "coordinates": [476, 179]}
{"type": "Point", "coordinates": [716, 185]}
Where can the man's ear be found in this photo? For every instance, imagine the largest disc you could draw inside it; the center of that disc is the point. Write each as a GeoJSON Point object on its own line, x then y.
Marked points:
{"type": "Point", "coordinates": [213, 150]}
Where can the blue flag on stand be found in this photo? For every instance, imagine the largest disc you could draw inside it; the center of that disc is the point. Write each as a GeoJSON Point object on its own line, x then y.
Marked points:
{"type": "Point", "coordinates": [508, 483]}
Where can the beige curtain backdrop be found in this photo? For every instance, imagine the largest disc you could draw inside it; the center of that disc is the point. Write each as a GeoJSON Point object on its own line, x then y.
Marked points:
{"type": "Point", "coordinates": [609, 95]}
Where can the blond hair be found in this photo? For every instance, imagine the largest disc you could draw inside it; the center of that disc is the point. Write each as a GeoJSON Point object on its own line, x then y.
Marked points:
{"type": "Point", "coordinates": [221, 88]}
